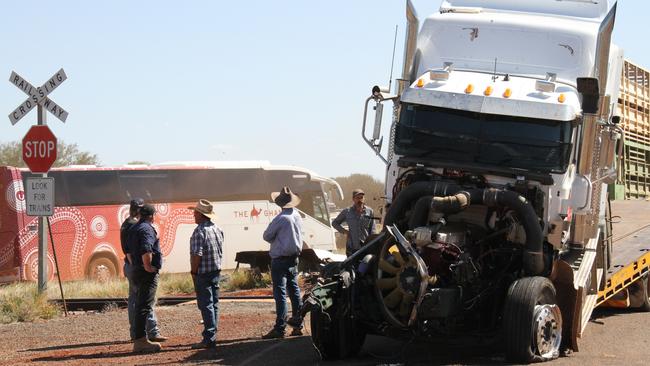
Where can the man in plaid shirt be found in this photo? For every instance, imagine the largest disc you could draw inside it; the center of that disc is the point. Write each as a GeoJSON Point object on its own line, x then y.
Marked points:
{"type": "Point", "coordinates": [206, 251]}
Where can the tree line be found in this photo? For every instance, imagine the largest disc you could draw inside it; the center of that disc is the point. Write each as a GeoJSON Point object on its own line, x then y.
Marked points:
{"type": "Point", "coordinates": [11, 154]}
{"type": "Point", "coordinates": [373, 188]}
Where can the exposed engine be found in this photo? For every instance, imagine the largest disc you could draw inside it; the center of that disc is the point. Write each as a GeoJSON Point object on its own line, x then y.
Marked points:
{"type": "Point", "coordinates": [461, 245]}
{"type": "Point", "coordinates": [450, 250]}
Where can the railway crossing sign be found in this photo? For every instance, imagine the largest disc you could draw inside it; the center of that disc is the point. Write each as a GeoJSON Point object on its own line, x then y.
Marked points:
{"type": "Point", "coordinates": [39, 194]}
{"type": "Point", "coordinates": [39, 149]}
{"type": "Point", "coordinates": [38, 96]}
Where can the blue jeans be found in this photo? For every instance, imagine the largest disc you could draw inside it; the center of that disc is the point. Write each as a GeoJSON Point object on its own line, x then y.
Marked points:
{"type": "Point", "coordinates": [206, 286]}
{"type": "Point", "coordinates": [152, 322]}
{"type": "Point", "coordinates": [284, 272]}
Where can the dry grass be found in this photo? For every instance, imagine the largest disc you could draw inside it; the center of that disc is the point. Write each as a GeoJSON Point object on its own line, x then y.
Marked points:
{"type": "Point", "coordinates": [246, 279]}
{"type": "Point", "coordinates": [175, 284]}
{"type": "Point", "coordinates": [20, 303]}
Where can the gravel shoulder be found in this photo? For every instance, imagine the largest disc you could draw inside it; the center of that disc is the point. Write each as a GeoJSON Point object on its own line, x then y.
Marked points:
{"type": "Point", "coordinates": [612, 338]}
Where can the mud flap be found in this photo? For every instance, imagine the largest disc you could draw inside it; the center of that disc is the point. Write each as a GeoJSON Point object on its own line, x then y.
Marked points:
{"type": "Point", "coordinates": [569, 299]}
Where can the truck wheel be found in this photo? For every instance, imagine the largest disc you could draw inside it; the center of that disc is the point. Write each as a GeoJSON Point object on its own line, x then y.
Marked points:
{"type": "Point", "coordinates": [532, 321]}
{"type": "Point", "coordinates": [335, 335]}
{"type": "Point", "coordinates": [646, 299]}
{"type": "Point", "coordinates": [640, 294]}
{"type": "Point", "coordinates": [101, 269]}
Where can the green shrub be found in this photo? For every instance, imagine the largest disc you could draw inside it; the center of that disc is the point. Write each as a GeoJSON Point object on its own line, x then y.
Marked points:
{"type": "Point", "coordinates": [20, 303]}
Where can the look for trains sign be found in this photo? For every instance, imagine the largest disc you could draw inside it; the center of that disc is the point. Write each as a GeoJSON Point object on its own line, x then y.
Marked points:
{"type": "Point", "coordinates": [39, 149]}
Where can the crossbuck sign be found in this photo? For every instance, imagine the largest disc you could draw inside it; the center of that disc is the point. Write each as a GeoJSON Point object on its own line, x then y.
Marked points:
{"type": "Point", "coordinates": [38, 96]}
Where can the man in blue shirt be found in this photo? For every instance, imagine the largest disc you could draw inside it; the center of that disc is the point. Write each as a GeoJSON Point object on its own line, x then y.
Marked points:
{"type": "Point", "coordinates": [153, 332]}
{"type": "Point", "coordinates": [285, 235]}
{"type": "Point", "coordinates": [206, 251]}
{"type": "Point", "coordinates": [360, 222]}
{"type": "Point", "coordinates": [146, 260]}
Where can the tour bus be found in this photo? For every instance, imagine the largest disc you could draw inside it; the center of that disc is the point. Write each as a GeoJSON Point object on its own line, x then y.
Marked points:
{"type": "Point", "coordinates": [92, 202]}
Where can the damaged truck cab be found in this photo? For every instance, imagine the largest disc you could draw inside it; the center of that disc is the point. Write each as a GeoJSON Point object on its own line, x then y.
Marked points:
{"type": "Point", "coordinates": [501, 144]}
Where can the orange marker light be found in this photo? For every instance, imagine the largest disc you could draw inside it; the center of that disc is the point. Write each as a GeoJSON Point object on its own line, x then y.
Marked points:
{"type": "Point", "coordinates": [561, 98]}
{"type": "Point", "coordinates": [488, 91]}
{"type": "Point", "coordinates": [420, 83]}
{"type": "Point", "coordinates": [507, 93]}
{"type": "Point", "coordinates": [469, 89]}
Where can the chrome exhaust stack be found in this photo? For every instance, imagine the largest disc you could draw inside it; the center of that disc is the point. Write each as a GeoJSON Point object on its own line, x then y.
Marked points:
{"type": "Point", "coordinates": [410, 44]}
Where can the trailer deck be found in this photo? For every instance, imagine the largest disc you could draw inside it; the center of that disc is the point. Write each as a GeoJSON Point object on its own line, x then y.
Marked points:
{"type": "Point", "coordinates": [631, 246]}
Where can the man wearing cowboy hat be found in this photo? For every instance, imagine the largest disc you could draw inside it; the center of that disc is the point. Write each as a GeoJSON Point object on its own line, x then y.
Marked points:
{"type": "Point", "coordinates": [360, 222]}
{"type": "Point", "coordinates": [285, 235]}
{"type": "Point", "coordinates": [206, 251]}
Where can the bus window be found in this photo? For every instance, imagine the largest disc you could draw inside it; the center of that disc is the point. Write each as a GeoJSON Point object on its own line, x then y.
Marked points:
{"type": "Point", "coordinates": [320, 210]}
{"type": "Point", "coordinates": [84, 188]}
{"type": "Point", "coordinates": [219, 185]}
{"type": "Point", "coordinates": [152, 186]}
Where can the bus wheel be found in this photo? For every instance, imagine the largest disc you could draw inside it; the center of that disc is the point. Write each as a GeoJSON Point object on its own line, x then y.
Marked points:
{"type": "Point", "coordinates": [532, 321]}
{"type": "Point", "coordinates": [101, 269]}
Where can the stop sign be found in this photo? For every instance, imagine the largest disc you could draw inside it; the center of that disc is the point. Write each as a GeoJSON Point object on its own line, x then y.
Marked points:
{"type": "Point", "coordinates": [39, 149]}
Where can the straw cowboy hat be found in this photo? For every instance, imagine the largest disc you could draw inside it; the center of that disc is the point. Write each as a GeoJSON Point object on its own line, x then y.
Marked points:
{"type": "Point", "coordinates": [204, 207]}
{"type": "Point", "coordinates": [285, 198]}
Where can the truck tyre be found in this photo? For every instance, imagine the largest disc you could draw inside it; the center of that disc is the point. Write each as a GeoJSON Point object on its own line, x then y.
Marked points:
{"type": "Point", "coordinates": [646, 299]}
{"type": "Point", "coordinates": [101, 268]}
{"type": "Point", "coordinates": [335, 335]}
{"type": "Point", "coordinates": [640, 294]}
{"type": "Point", "coordinates": [532, 321]}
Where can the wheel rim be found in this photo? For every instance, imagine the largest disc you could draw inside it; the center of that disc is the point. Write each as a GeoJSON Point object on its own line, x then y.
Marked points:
{"type": "Point", "coordinates": [548, 330]}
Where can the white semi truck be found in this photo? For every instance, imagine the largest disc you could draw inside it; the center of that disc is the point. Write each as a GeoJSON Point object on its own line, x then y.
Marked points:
{"type": "Point", "coordinates": [498, 225]}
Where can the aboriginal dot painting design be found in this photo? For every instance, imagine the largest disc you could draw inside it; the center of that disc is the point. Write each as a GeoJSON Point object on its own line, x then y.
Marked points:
{"type": "Point", "coordinates": [99, 226]}
{"type": "Point", "coordinates": [15, 196]}
{"type": "Point", "coordinates": [122, 213]}
{"type": "Point", "coordinates": [70, 232]}
{"type": "Point", "coordinates": [162, 209]}
{"type": "Point", "coordinates": [170, 223]}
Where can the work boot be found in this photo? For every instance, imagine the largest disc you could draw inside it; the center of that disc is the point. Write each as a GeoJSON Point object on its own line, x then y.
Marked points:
{"type": "Point", "coordinates": [143, 345]}
{"type": "Point", "coordinates": [157, 338]}
{"type": "Point", "coordinates": [295, 322]}
{"type": "Point", "coordinates": [296, 332]}
{"type": "Point", "coordinates": [273, 334]}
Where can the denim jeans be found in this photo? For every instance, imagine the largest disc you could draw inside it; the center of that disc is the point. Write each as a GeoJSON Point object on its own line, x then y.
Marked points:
{"type": "Point", "coordinates": [284, 272]}
{"type": "Point", "coordinates": [152, 322]}
{"type": "Point", "coordinates": [206, 286]}
{"type": "Point", "coordinates": [147, 284]}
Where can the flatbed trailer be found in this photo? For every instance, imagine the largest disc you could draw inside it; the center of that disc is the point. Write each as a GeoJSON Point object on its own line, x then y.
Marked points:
{"type": "Point", "coordinates": [630, 253]}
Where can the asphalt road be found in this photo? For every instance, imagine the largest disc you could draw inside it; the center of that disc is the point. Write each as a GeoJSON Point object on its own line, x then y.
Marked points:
{"type": "Point", "coordinates": [612, 338]}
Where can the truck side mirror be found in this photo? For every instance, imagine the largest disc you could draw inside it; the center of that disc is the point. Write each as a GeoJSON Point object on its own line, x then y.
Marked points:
{"type": "Point", "coordinates": [379, 110]}
{"type": "Point", "coordinates": [588, 88]}
{"type": "Point", "coordinates": [379, 95]}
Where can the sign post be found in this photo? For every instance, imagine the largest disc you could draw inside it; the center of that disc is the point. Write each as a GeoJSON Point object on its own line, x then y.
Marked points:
{"type": "Point", "coordinates": [39, 153]}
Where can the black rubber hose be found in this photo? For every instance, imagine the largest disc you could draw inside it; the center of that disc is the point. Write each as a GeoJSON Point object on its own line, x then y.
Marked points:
{"type": "Point", "coordinates": [413, 192]}
{"type": "Point", "coordinates": [532, 259]}
{"type": "Point", "coordinates": [420, 213]}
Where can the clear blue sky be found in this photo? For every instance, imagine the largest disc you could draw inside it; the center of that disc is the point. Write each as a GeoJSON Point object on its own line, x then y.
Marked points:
{"type": "Point", "coordinates": [283, 81]}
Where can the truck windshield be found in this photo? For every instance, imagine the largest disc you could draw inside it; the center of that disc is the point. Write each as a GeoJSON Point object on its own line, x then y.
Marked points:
{"type": "Point", "coordinates": [467, 137]}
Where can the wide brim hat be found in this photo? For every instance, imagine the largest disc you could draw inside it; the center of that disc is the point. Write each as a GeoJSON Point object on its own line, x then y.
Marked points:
{"type": "Point", "coordinates": [285, 198]}
{"type": "Point", "coordinates": [204, 207]}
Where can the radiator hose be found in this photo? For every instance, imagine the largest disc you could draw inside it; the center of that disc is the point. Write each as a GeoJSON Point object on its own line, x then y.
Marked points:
{"type": "Point", "coordinates": [450, 198]}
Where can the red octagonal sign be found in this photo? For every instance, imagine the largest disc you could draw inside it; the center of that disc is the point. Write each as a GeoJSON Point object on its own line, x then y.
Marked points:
{"type": "Point", "coordinates": [39, 149]}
